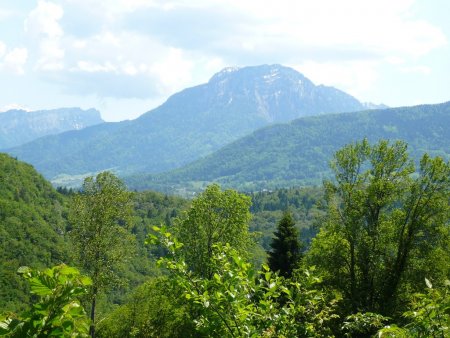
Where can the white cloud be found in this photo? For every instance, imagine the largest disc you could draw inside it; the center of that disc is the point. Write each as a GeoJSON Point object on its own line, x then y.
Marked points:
{"type": "Point", "coordinates": [5, 13]}
{"type": "Point", "coordinates": [97, 47]}
{"type": "Point", "coordinates": [353, 77]}
{"type": "Point", "coordinates": [15, 60]}
{"type": "Point", "coordinates": [44, 19]}
{"type": "Point", "coordinates": [423, 70]}
{"type": "Point", "coordinates": [174, 70]}
{"type": "Point", "coordinates": [2, 49]}
{"type": "Point", "coordinates": [42, 24]}
{"type": "Point", "coordinates": [91, 67]}
{"type": "Point", "coordinates": [14, 106]}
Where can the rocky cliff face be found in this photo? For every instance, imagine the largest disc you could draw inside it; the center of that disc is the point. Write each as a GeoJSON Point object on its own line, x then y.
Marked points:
{"type": "Point", "coordinates": [19, 126]}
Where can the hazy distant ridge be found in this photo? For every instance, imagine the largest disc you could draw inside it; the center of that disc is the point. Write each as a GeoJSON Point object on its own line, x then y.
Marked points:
{"type": "Point", "coordinates": [19, 126]}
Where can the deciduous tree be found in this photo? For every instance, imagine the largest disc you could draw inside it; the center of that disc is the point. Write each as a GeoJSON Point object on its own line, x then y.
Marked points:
{"type": "Point", "coordinates": [215, 216]}
{"type": "Point", "coordinates": [99, 217]}
{"type": "Point", "coordinates": [387, 226]}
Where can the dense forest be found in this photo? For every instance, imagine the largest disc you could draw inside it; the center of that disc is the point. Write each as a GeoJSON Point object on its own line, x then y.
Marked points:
{"type": "Point", "coordinates": [366, 254]}
{"type": "Point", "coordinates": [298, 152]}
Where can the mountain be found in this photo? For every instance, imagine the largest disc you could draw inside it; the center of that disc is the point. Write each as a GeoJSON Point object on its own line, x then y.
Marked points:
{"type": "Point", "coordinates": [31, 228]}
{"type": "Point", "coordinates": [298, 153]}
{"type": "Point", "coordinates": [19, 126]}
{"type": "Point", "coordinates": [190, 124]}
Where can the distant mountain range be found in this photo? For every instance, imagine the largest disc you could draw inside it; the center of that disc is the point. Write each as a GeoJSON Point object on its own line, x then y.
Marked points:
{"type": "Point", "coordinates": [299, 152]}
{"type": "Point", "coordinates": [19, 126]}
{"type": "Point", "coordinates": [190, 124]}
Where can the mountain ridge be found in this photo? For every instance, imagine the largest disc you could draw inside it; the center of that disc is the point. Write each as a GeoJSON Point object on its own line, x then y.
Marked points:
{"type": "Point", "coordinates": [190, 124]}
{"type": "Point", "coordinates": [298, 152]}
{"type": "Point", "coordinates": [19, 126]}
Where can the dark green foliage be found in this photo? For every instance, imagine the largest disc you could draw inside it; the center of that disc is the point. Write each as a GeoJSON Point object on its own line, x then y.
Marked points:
{"type": "Point", "coordinates": [32, 227]}
{"type": "Point", "coordinates": [298, 153]}
{"type": "Point", "coordinates": [305, 204]}
{"type": "Point", "coordinates": [58, 311]}
{"type": "Point", "coordinates": [286, 250]}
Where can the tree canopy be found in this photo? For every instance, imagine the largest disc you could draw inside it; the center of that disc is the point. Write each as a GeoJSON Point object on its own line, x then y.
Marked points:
{"type": "Point", "coordinates": [215, 216]}
{"type": "Point", "coordinates": [385, 225]}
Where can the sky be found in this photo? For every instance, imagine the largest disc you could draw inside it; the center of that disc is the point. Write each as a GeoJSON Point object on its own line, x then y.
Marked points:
{"type": "Point", "coordinates": [126, 57]}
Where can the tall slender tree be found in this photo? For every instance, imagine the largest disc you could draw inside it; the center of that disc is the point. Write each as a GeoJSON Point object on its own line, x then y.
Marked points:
{"type": "Point", "coordinates": [100, 215]}
{"type": "Point", "coordinates": [286, 250]}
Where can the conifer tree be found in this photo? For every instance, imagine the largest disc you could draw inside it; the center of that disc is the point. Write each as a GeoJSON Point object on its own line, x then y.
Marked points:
{"type": "Point", "coordinates": [286, 248]}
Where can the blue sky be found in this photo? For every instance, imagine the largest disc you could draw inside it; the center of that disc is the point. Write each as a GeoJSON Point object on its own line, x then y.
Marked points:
{"type": "Point", "coordinates": [125, 57]}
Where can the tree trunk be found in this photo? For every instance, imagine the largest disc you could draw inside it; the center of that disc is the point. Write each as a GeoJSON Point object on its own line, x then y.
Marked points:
{"type": "Point", "coordinates": [92, 327]}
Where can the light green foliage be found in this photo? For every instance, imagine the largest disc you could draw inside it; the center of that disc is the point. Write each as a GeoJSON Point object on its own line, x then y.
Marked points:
{"type": "Point", "coordinates": [157, 308]}
{"type": "Point", "coordinates": [363, 324]}
{"type": "Point", "coordinates": [100, 215]}
{"type": "Point", "coordinates": [214, 217]}
{"type": "Point", "coordinates": [429, 315]}
{"type": "Point", "coordinates": [238, 301]}
{"type": "Point", "coordinates": [384, 225]}
{"type": "Point", "coordinates": [58, 312]}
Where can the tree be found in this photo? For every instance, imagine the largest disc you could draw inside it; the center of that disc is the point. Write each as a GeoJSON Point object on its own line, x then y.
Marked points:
{"type": "Point", "coordinates": [215, 216]}
{"type": "Point", "coordinates": [286, 247]}
{"type": "Point", "coordinates": [385, 225]}
{"type": "Point", "coordinates": [99, 216]}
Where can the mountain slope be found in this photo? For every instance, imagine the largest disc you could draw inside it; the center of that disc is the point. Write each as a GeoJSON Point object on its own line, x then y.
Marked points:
{"type": "Point", "coordinates": [19, 126]}
{"type": "Point", "coordinates": [298, 153]}
{"type": "Point", "coordinates": [31, 227]}
{"type": "Point", "coordinates": [190, 124]}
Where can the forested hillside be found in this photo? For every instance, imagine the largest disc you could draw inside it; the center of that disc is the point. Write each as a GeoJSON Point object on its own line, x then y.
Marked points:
{"type": "Point", "coordinates": [190, 124]}
{"type": "Point", "coordinates": [375, 253]}
{"type": "Point", "coordinates": [32, 227]}
{"type": "Point", "coordinates": [298, 153]}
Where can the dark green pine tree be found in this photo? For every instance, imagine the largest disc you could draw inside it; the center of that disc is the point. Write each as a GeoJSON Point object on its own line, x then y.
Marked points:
{"type": "Point", "coordinates": [286, 248]}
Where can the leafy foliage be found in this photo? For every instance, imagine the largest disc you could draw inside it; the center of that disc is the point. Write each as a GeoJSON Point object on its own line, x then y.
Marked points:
{"type": "Point", "coordinates": [214, 217]}
{"type": "Point", "coordinates": [240, 302]}
{"type": "Point", "coordinates": [58, 312]}
{"type": "Point", "coordinates": [383, 226]}
{"type": "Point", "coordinates": [429, 315]}
{"type": "Point", "coordinates": [157, 308]}
{"type": "Point", "coordinates": [100, 215]}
